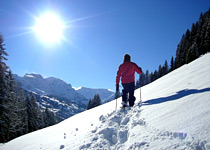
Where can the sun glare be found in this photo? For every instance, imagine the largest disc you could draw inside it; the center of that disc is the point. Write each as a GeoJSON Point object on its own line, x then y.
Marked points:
{"type": "Point", "coordinates": [49, 28]}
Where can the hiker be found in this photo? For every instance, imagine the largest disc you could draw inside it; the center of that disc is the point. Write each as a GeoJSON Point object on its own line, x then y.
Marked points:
{"type": "Point", "coordinates": [126, 72]}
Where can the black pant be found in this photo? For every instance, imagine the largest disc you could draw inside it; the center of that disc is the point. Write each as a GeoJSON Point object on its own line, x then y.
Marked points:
{"type": "Point", "coordinates": [128, 88]}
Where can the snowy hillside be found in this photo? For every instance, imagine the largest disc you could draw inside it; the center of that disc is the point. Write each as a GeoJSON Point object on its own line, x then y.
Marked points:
{"type": "Point", "coordinates": [175, 115]}
{"type": "Point", "coordinates": [61, 108]}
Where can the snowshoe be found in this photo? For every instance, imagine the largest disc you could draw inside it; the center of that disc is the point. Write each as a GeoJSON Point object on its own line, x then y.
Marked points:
{"type": "Point", "coordinates": [124, 104]}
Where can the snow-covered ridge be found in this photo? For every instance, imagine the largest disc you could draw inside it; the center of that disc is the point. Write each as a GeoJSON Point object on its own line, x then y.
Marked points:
{"type": "Point", "coordinates": [77, 88]}
{"type": "Point", "coordinates": [89, 93]}
{"type": "Point", "coordinates": [59, 96]}
{"type": "Point", "coordinates": [59, 88]}
{"type": "Point", "coordinates": [50, 86]}
{"type": "Point", "coordinates": [175, 115]}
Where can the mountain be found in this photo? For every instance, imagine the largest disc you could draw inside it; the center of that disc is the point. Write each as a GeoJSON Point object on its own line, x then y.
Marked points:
{"type": "Point", "coordinates": [105, 94]}
{"type": "Point", "coordinates": [58, 88]}
{"type": "Point", "coordinates": [59, 96]}
{"type": "Point", "coordinates": [50, 86]}
{"type": "Point", "coordinates": [174, 114]}
{"type": "Point", "coordinates": [54, 93]}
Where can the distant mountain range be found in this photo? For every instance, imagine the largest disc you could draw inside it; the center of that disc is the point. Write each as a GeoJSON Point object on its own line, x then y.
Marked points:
{"type": "Point", "coordinates": [105, 94]}
{"type": "Point", "coordinates": [60, 96]}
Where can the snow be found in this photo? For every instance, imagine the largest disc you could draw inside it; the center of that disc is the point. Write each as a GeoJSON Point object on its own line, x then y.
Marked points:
{"type": "Point", "coordinates": [110, 90]}
{"type": "Point", "coordinates": [77, 88]}
{"type": "Point", "coordinates": [175, 114]}
{"type": "Point", "coordinates": [29, 76]}
{"type": "Point", "coordinates": [89, 93]}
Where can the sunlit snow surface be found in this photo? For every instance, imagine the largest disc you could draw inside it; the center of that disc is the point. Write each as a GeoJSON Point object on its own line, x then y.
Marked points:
{"type": "Point", "coordinates": [175, 115]}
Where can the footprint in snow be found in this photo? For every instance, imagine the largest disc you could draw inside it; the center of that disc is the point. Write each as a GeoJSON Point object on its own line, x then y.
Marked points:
{"type": "Point", "coordinates": [62, 147]}
{"type": "Point", "coordinates": [102, 118]}
{"type": "Point", "coordinates": [116, 118]}
{"type": "Point", "coordinates": [94, 130]}
{"type": "Point", "coordinates": [110, 134]}
{"type": "Point", "coordinates": [179, 135]}
{"type": "Point", "coordinates": [125, 121]}
{"type": "Point", "coordinates": [123, 136]}
{"type": "Point", "coordinates": [140, 122]}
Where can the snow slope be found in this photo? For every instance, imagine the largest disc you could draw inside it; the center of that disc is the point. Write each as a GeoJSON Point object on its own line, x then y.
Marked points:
{"type": "Point", "coordinates": [175, 115]}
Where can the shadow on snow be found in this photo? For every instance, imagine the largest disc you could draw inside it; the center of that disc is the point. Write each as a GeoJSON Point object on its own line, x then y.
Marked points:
{"type": "Point", "coordinates": [176, 96]}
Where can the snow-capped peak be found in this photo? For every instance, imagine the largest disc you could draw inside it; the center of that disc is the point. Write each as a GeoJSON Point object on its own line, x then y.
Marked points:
{"type": "Point", "coordinates": [110, 90]}
{"type": "Point", "coordinates": [89, 93]}
{"type": "Point", "coordinates": [77, 88]}
{"type": "Point", "coordinates": [49, 86]}
{"type": "Point", "coordinates": [29, 76]}
{"type": "Point", "coordinates": [33, 75]}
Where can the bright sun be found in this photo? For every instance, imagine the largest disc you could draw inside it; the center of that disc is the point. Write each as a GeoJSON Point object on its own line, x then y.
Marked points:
{"type": "Point", "coordinates": [49, 28]}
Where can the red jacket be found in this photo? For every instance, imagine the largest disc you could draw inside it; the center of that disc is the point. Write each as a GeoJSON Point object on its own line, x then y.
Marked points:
{"type": "Point", "coordinates": [127, 72]}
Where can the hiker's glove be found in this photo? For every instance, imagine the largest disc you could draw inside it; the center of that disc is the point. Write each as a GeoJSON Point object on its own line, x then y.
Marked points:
{"type": "Point", "coordinates": [117, 87]}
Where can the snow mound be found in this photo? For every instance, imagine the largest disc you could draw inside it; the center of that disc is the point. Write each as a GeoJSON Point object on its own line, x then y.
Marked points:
{"type": "Point", "coordinates": [174, 114]}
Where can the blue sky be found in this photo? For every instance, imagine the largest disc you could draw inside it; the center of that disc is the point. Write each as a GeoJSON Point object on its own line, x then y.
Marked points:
{"type": "Point", "coordinates": [97, 35]}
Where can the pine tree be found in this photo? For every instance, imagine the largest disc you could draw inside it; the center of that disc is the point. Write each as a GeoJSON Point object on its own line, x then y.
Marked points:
{"type": "Point", "coordinates": [160, 71]}
{"type": "Point", "coordinates": [3, 72]}
{"type": "Point", "coordinates": [49, 117]}
{"type": "Point", "coordinates": [172, 66]}
{"type": "Point", "coordinates": [4, 92]}
{"type": "Point", "coordinates": [165, 68]}
{"type": "Point", "coordinates": [96, 101]}
{"type": "Point", "coordinates": [33, 114]}
{"type": "Point", "coordinates": [15, 119]}
{"type": "Point", "coordinates": [206, 32]}
{"type": "Point", "coordinates": [194, 31]}
{"type": "Point", "coordinates": [155, 75]}
{"type": "Point", "coordinates": [147, 79]}
{"type": "Point", "coordinates": [192, 53]}
{"type": "Point", "coordinates": [152, 78]}
{"type": "Point", "coordinates": [179, 53]}
{"type": "Point", "coordinates": [137, 84]}
{"type": "Point", "coordinates": [182, 49]}
{"type": "Point", "coordinates": [142, 80]}
{"type": "Point", "coordinates": [199, 35]}
{"type": "Point", "coordinates": [23, 111]}
{"type": "Point", "coordinates": [90, 103]}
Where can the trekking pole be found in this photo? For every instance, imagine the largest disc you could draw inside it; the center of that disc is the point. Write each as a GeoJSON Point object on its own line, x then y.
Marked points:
{"type": "Point", "coordinates": [140, 96]}
{"type": "Point", "coordinates": [116, 101]}
{"type": "Point", "coordinates": [140, 91]}
{"type": "Point", "coordinates": [117, 95]}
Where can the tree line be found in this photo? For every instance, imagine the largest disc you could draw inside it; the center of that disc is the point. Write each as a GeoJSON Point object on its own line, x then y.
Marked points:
{"type": "Point", "coordinates": [193, 44]}
{"type": "Point", "coordinates": [96, 101]}
{"type": "Point", "coordinates": [19, 112]}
